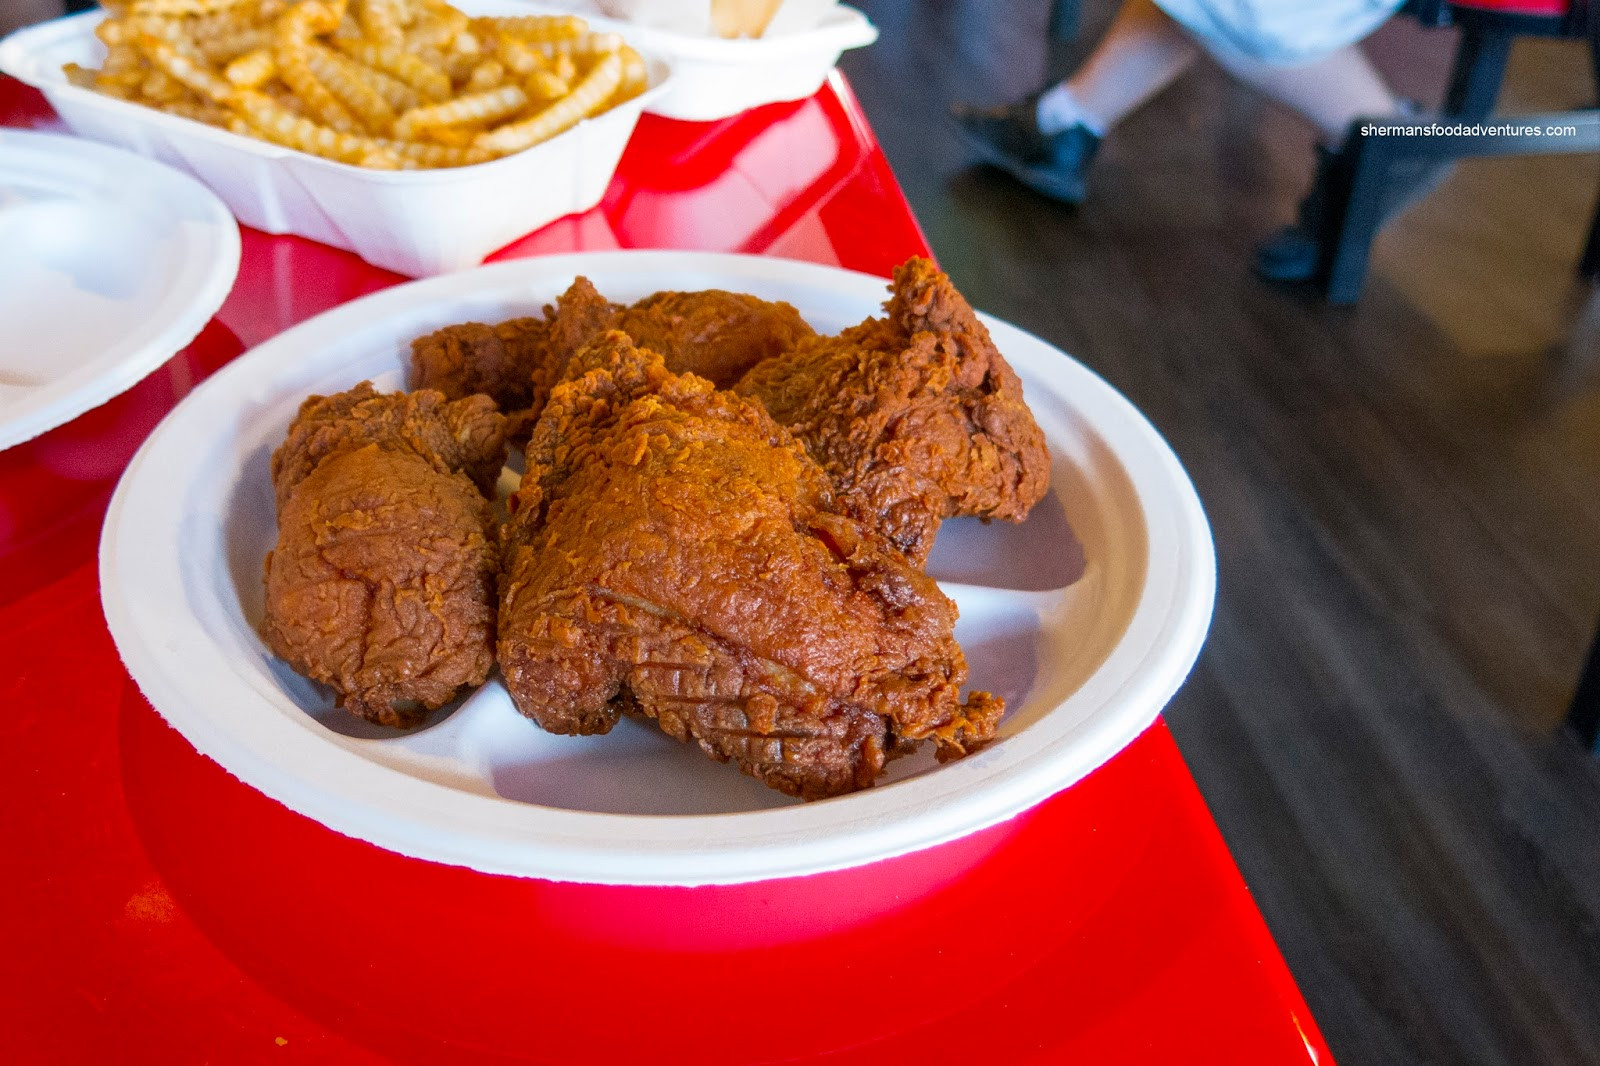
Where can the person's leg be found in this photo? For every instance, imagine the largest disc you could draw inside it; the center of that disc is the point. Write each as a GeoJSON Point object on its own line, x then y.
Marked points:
{"type": "Point", "coordinates": [1048, 139]}
{"type": "Point", "coordinates": [1330, 93]}
{"type": "Point", "coordinates": [1333, 94]}
{"type": "Point", "coordinates": [1142, 53]}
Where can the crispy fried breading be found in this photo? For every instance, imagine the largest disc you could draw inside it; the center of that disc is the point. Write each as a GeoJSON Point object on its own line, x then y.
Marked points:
{"type": "Point", "coordinates": [382, 581]}
{"type": "Point", "coordinates": [916, 416]}
{"type": "Point", "coordinates": [674, 553]}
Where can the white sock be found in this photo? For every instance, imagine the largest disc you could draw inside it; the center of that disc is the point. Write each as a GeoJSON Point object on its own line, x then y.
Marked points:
{"type": "Point", "coordinates": [1059, 110]}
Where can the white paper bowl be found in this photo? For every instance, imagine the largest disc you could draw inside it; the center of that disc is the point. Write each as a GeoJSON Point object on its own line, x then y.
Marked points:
{"type": "Point", "coordinates": [714, 78]}
{"type": "Point", "coordinates": [1087, 646]}
{"type": "Point", "coordinates": [414, 222]}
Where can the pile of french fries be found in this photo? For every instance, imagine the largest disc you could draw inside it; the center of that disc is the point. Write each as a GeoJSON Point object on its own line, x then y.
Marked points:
{"type": "Point", "coordinates": [389, 84]}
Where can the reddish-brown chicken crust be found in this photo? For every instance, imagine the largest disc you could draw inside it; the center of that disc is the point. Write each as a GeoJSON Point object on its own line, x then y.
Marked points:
{"type": "Point", "coordinates": [382, 581]}
{"type": "Point", "coordinates": [916, 416]}
{"type": "Point", "coordinates": [716, 334]}
{"type": "Point", "coordinates": [676, 554]}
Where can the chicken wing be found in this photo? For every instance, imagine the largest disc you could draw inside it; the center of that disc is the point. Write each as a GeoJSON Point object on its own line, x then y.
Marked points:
{"type": "Point", "coordinates": [915, 416]}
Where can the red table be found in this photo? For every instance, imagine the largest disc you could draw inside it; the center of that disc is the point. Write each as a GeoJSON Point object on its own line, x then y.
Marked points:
{"type": "Point", "coordinates": [159, 911]}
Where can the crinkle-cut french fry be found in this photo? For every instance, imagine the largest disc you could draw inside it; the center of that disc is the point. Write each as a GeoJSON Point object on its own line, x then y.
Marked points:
{"type": "Point", "coordinates": [422, 154]}
{"type": "Point", "coordinates": [285, 98]}
{"type": "Point", "coordinates": [225, 49]}
{"type": "Point", "coordinates": [380, 21]}
{"type": "Point", "coordinates": [112, 32]}
{"type": "Point", "coordinates": [583, 50]}
{"type": "Point", "coordinates": [436, 28]}
{"type": "Point", "coordinates": [251, 70]}
{"type": "Point", "coordinates": [80, 76]}
{"type": "Point", "coordinates": [519, 57]}
{"type": "Point", "coordinates": [635, 76]}
{"type": "Point", "coordinates": [228, 23]}
{"type": "Point", "coordinates": [159, 87]}
{"type": "Point", "coordinates": [123, 73]}
{"type": "Point", "coordinates": [295, 72]}
{"type": "Point", "coordinates": [185, 66]}
{"type": "Point", "coordinates": [457, 67]}
{"type": "Point", "coordinates": [380, 83]}
{"type": "Point", "coordinates": [117, 88]}
{"type": "Point", "coordinates": [167, 29]}
{"type": "Point", "coordinates": [564, 67]}
{"type": "Point", "coordinates": [488, 74]}
{"type": "Point", "coordinates": [533, 27]}
{"type": "Point", "coordinates": [280, 126]}
{"type": "Point", "coordinates": [179, 8]}
{"type": "Point", "coordinates": [489, 108]}
{"type": "Point", "coordinates": [454, 136]}
{"type": "Point", "coordinates": [544, 86]}
{"type": "Point", "coordinates": [586, 97]}
{"type": "Point", "coordinates": [396, 93]}
{"type": "Point", "coordinates": [308, 19]}
{"type": "Point", "coordinates": [356, 95]}
{"type": "Point", "coordinates": [294, 131]}
{"type": "Point", "coordinates": [381, 158]}
{"type": "Point", "coordinates": [429, 81]}
{"type": "Point", "coordinates": [291, 51]}
{"type": "Point", "coordinates": [199, 110]}
{"type": "Point", "coordinates": [122, 58]}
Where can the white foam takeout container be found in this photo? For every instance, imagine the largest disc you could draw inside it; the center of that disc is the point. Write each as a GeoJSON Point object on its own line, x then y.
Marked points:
{"type": "Point", "coordinates": [714, 78]}
{"type": "Point", "coordinates": [414, 222]}
{"type": "Point", "coordinates": [1085, 618]}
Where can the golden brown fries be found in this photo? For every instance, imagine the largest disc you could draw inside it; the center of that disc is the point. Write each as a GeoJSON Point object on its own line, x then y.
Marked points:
{"type": "Point", "coordinates": [387, 84]}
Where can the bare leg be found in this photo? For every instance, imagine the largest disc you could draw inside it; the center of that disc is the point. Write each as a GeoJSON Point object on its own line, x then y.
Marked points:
{"type": "Point", "coordinates": [1142, 53]}
{"type": "Point", "coordinates": [1331, 93]}
{"type": "Point", "coordinates": [1047, 141]}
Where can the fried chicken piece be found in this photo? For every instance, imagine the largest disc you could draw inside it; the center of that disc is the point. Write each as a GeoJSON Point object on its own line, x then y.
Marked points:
{"type": "Point", "coordinates": [716, 334]}
{"type": "Point", "coordinates": [382, 581]}
{"type": "Point", "coordinates": [674, 553]}
{"type": "Point", "coordinates": [500, 361]}
{"type": "Point", "coordinates": [466, 436]}
{"type": "Point", "coordinates": [514, 362]}
{"type": "Point", "coordinates": [916, 417]}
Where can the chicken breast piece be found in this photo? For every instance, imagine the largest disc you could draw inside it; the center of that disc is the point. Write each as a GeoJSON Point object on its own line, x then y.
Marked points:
{"type": "Point", "coordinates": [675, 554]}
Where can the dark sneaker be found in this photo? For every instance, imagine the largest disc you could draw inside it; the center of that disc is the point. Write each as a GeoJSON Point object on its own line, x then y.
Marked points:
{"type": "Point", "coordinates": [1008, 137]}
{"type": "Point", "coordinates": [1294, 253]}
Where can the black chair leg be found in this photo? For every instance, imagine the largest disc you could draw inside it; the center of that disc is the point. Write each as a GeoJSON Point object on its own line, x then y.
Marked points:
{"type": "Point", "coordinates": [1584, 714]}
{"type": "Point", "coordinates": [1589, 265]}
{"type": "Point", "coordinates": [1355, 218]}
{"type": "Point", "coordinates": [1480, 67]}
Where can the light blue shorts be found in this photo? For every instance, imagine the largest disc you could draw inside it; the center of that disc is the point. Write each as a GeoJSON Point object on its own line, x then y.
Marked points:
{"type": "Point", "coordinates": [1284, 33]}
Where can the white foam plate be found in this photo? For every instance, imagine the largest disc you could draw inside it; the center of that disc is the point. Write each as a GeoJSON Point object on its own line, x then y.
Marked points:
{"type": "Point", "coordinates": [109, 264]}
{"type": "Point", "coordinates": [1086, 643]}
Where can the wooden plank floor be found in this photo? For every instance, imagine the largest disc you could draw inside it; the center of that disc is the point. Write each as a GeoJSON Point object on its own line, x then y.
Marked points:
{"type": "Point", "coordinates": [1406, 502]}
